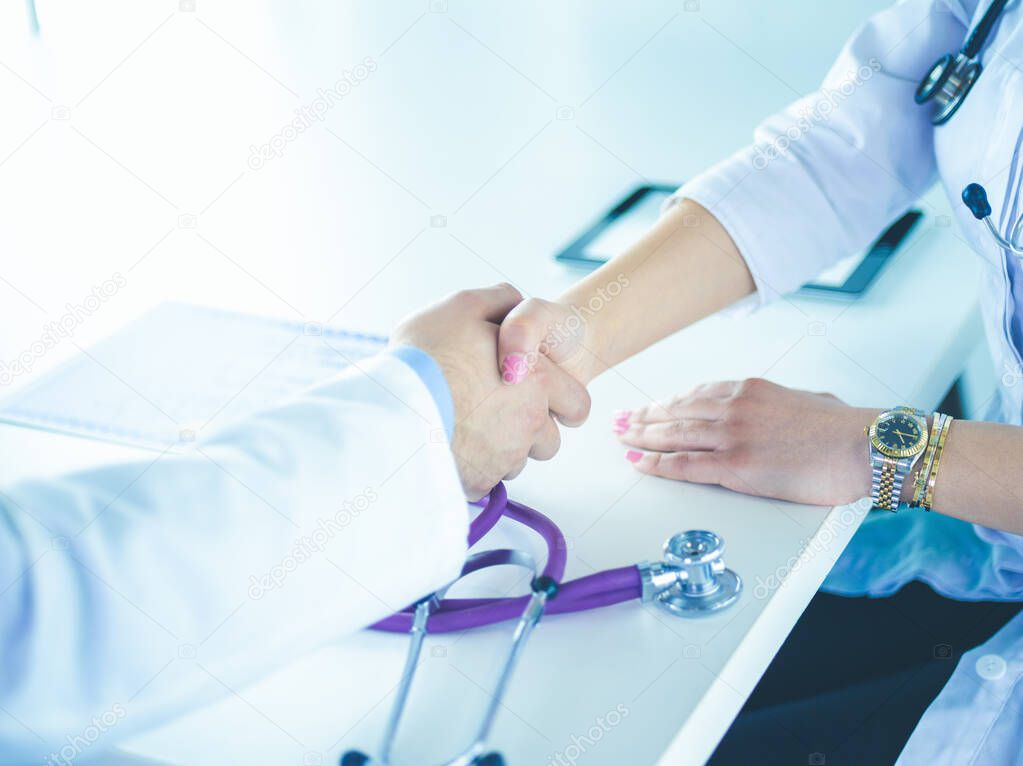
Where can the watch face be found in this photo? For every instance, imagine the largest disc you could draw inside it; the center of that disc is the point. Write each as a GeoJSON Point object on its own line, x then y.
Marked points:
{"type": "Point", "coordinates": [898, 434]}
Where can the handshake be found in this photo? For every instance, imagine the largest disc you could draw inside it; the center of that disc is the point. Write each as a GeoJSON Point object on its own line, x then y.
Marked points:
{"type": "Point", "coordinates": [516, 369]}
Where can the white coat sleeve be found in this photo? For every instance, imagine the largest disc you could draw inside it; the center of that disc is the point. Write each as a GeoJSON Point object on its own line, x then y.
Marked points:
{"type": "Point", "coordinates": [134, 592]}
{"type": "Point", "coordinates": [827, 174]}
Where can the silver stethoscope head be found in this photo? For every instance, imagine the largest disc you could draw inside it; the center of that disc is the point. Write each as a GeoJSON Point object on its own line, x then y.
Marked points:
{"type": "Point", "coordinates": [692, 580]}
{"type": "Point", "coordinates": [947, 83]}
{"type": "Point", "coordinates": [975, 198]}
{"type": "Point", "coordinates": [951, 77]}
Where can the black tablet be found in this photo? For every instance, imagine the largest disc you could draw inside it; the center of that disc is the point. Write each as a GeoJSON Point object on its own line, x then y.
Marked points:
{"type": "Point", "coordinates": [618, 228]}
{"type": "Point", "coordinates": [852, 275]}
{"type": "Point", "coordinates": [628, 219]}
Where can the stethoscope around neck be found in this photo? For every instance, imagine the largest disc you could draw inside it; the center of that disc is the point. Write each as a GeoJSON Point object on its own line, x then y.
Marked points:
{"type": "Point", "coordinates": [947, 84]}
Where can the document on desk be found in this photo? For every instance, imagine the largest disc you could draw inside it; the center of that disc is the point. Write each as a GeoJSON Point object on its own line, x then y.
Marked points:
{"type": "Point", "coordinates": [181, 368]}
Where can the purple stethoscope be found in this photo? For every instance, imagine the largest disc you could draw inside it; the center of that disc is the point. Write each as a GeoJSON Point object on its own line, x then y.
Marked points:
{"type": "Point", "coordinates": [690, 581]}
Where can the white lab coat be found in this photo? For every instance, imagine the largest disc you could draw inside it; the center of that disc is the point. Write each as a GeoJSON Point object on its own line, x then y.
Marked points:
{"type": "Point", "coordinates": [199, 572]}
{"type": "Point", "coordinates": [822, 178]}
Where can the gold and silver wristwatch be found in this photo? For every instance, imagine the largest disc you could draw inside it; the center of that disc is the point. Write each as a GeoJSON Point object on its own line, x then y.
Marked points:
{"type": "Point", "coordinates": [897, 438]}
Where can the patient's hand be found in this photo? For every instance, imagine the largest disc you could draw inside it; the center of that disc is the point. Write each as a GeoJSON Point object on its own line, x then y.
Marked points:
{"type": "Point", "coordinates": [755, 437]}
{"type": "Point", "coordinates": [497, 426]}
{"type": "Point", "coordinates": [538, 328]}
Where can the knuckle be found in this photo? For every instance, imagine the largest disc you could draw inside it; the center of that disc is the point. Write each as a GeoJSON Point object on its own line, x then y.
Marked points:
{"type": "Point", "coordinates": [737, 409]}
{"type": "Point", "coordinates": [541, 375]}
{"type": "Point", "coordinates": [737, 459]}
{"type": "Point", "coordinates": [550, 448]}
{"type": "Point", "coordinates": [534, 420]}
{"type": "Point", "coordinates": [750, 387]}
{"type": "Point", "coordinates": [532, 303]}
{"type": "Point", "coordinates": [533, 317]}
{"type": "Point", "coordinates": [674, 402]}
{"type": "Point", "coordinates": [690, 433]}
{"type": "Point", "coordinates": [583, 405]}
{"type": "Point", "coordinates": [464, 299]}
{"type": "Point", "coordinates": [726, 437]}
{"type": "Point", "coordinates": [676, 464]}
{"type": "Point", "coordinates": [528, 309]}
{"type": "Point", "coordinates": [673, 434]}
{"type": "Point", "coordinates": [578, 409]}
{"type": "Point", "coordinates": [745, 399]}
{"type": "Point", "coordinates": [510, 289]}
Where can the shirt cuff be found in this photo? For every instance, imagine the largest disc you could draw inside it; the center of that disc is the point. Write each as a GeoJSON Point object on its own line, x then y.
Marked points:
{"type": "Point", "coordinates": [426, 367]}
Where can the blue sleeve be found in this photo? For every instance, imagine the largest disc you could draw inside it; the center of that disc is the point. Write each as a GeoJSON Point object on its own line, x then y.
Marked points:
{"type": "Point", "coordinates": [426, 367]}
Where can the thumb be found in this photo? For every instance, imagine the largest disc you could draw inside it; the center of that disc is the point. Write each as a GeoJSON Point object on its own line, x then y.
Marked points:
{"type": "Point", "coordinates": [522, 337]}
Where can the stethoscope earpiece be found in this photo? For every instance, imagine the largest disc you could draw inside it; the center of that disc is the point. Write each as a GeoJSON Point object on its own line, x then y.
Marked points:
{"type": "Point", "coordinates": [490, 759]}
{"type": "Point", "coordinates": [975, 198]}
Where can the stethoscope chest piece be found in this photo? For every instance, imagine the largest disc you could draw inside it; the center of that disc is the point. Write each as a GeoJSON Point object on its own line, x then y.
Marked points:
{"type": "Point", "coordinates": [948, 83]}
{"type": "Point", "coordinates": [702, 584]}
{"type": "Point", "coordinates": [951, 77]}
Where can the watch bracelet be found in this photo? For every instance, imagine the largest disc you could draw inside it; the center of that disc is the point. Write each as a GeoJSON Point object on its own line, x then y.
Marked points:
{"type": "Point", "coordinates": [884, 495]}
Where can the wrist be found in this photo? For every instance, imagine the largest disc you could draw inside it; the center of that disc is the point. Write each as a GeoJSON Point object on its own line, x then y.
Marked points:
{"type": "Point", "coordinates": [865, 416]}
{"type": "Point", "coordinates": [431, 373]}
{"type": "Point", "coordinates": [858, 450]}
{"type": "Point", "coordinates": [582, 331]}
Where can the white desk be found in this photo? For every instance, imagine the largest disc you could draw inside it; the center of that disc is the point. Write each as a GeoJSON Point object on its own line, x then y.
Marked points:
{"type": "Point", "coordinates": [459, 120]}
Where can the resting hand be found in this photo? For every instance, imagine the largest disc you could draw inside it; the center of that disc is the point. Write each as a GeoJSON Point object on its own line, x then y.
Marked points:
{"type": "Point", "coordinates": [754, 437]}
{"type": "Point", "coordinates": [497, 426]}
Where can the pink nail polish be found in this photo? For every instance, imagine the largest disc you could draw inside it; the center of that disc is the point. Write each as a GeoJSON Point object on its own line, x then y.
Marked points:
{"type": "Point", "coordinates": [633, 456]}
{"type": "Point", "coordinates": [514, 368]}
{"type": "Point", "coordinates": [620, 427]}
{"type": "Point", "coordinates": [622, 415]}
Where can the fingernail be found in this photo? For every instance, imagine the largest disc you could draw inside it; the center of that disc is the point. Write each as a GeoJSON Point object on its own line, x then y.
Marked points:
{"type": "Point", "coordinates": [514, 368]}
{"type": "Point", "coordinates": [633, 456]}
{"type": "Point", "coordinates": [621, 421]}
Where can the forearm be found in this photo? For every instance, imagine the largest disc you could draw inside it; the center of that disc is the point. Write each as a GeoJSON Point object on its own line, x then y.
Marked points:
{"type": "Point", "coordinates": [978, 473]}
{"type": "Point", "coordinates": [976, 479]}
{"type": "Point", "coordinates": [684, 268]}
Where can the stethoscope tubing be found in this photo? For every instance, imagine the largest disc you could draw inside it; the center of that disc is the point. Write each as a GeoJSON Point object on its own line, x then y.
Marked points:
{"type": "Point", "coordinates": [591, 592]}
{"type": "Point", "coordinates": [605, 588]}
{"type": "Point", "coordinates": [976, 39]}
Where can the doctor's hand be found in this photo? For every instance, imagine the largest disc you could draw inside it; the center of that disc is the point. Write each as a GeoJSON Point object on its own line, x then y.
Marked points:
{"type": "Point", "coordinates": [755, 437]}
{"type": "Point", "coordinates": [497, 426]}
